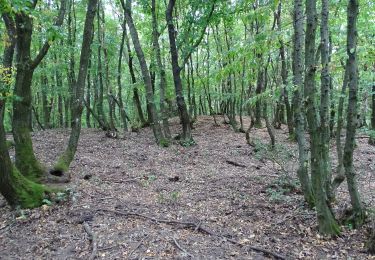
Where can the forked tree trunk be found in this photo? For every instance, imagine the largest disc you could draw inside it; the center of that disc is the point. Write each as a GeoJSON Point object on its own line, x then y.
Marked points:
{"type": "Point", "coordinates": [26, 161]}
{"type": "Point", "coordinates": [326, 221]}
{"type": "Point", "coordinates": [16, 188]}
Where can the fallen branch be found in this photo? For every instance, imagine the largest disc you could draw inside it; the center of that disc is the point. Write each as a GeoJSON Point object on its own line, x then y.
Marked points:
{"type": "Point", "coordinates": [137, 246]}
{"type": "Point", "coordinates": [92, 239]}
{"type": "Point", "coordinates": [181, 248]}
{"type": "Point", "coordinates": [235, 164]}
{"type": "Point", "coordinates": [192, 225]}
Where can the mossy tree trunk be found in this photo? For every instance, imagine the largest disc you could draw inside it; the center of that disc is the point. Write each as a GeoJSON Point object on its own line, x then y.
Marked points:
{"type": "Point", "coordinates": [16, 189]}
{"type": "Point", "coordinates": [26, 161]}
{"type": "Point", "coordinates": [66, 158]}
{"type": "Point", "coordinates": [326, 221]}
{"type": "Point", "coordinates": [358, 216]}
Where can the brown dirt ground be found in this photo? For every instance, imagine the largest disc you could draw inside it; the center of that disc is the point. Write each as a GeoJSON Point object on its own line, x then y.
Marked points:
{"type": "Point", "coordinates": [246, 204]}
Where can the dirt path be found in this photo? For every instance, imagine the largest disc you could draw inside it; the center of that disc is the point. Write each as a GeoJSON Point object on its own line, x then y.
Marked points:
{"type": "Point", "coordinates": [121, 188]}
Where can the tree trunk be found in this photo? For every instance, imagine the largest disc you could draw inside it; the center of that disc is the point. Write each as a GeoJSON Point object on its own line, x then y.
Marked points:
{"type": "Point", "coordinates": [372, 136]}
{"type": "Point", "coordinates": [358, 216]}
{"type": "Point", "coordinates": [151, 107]}
{"type": "Point", "coordinates": [326, 221]}
{"type": "Point", "coordinates": [325, 100]}
{"type": "Point", "coordinates": [136, 98]}
{"type": "Point", "coordinates": [16, 189]}
{"type": "Point", "coordinates": [340, 174]}
{"type": "Point", "coordinates": [161, 71]}
{"type": "Point", "coordinates": [176, 70]}
{"type": "Point", "coordinates": [119, 84]}
{"type": "Point", "coordinates": [26, 161]}
{"type": "Point", "coordinates": [67, 156]}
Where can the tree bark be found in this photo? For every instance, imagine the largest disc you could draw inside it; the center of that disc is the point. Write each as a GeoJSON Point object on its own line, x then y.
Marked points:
{"type": "Point", "coordinates": [26, 161]}
{"type": "Point", "coordinates": [326, 221]}
{"type": "Point", "coordinates": [151, 107]}
{"type": "Point", "coordinates": [176, 70]}
{"type": "Point", "coordinates": [67, 156]}
{"type": "Point", "coordinates": [161, 71]}
{"type": "Point", "coordinates": [358, 216]}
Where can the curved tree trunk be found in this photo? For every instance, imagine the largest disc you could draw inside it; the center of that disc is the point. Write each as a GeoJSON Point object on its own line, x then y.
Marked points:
{"type": "Point", "coordinates": [67, 156]}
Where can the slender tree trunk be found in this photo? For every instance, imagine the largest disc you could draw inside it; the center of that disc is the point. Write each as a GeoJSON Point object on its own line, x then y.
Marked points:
{"type": "Point", "coordinates": [88, 95]}
{"type": "Point", "coordinates": [340, 174]}
{"type": "Point", "coordinates": [299, 119]}
{"type": "Point", "coordinates": [358, 216]}
{"type": "Point", "coordinates": [326, 221]}
{"type": "Point", "coordinates": [325, 99]}
{"type": "Point", "coordinates": [67, 156]}
{"type": "Point", "coordinates": [176, 70]}
{"type": "Point", "coordinates": [136, 98]}
{"type": "Point", "coordinates": [100, 101]}
{"type": "Point", "coordinates": [372, 137]}
{"type": "Point", "coordinates": [119, 84]}
{"type": "Point", "coordinates": [161, 71]}
{"type": "Point", "coordinates": [284, 76]}
{"type": "Point", "coordinates": [151, 107]}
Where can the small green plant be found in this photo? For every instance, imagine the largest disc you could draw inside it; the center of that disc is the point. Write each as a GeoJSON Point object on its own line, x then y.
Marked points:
{"type": "Point", "coordinates": [147, 180]}
{"type": "Point", "coordinates": [174, 196]}
{"type": "Point", "coordinates": [187, 143]}
{"type": "Point", "coordinates": [47, 202]}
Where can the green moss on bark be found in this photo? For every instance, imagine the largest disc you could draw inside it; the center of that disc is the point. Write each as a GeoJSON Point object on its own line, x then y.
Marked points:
{"type": "Point", "coordinates": [27, 164]}
{"type": "Point", "coordinates": [28, 194]}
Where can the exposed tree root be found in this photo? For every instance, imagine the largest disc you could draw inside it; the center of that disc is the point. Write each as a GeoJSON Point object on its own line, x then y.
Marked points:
{"type": "Point", "coordinates": [92, 238]}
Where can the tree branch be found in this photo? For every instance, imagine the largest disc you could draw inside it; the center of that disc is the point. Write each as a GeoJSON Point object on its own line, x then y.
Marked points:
{"type": "Point", "coordinates": [44, 50]}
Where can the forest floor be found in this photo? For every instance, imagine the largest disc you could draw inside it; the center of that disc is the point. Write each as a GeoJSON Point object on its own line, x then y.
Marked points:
{"type": "Point", "coordinates": [219, 199]}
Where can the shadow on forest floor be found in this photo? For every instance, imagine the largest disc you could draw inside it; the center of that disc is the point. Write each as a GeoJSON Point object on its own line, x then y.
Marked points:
{"type": "Point", "coordinates": [133, 195]}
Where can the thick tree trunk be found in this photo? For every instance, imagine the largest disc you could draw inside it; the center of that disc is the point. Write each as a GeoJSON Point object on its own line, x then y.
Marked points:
{"type": "Point", "coordinates": [358, 216]}
{"type": "Point", "coordinates": [66, 158]}
{"type": "Point", "coordinates": [16, 189]}
{"type": "Point", "coordinates": [26, 161]}
{"type": "Point", "coordinates": [326, 221]}
{"type": "Point", "coordinates": [176, 70]}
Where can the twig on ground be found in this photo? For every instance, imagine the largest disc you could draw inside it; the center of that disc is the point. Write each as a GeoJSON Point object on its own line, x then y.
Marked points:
{"type": "Point", "coordinates": [235, 164]}
{"type": "Point", "coordinates": [181, 248]}
{"type": "Point", "coordinates": [137, 246]}
{"type": "Point", "coordinates": [192, 225]}
{"type": "Point", "coordinates": [92, 239]}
